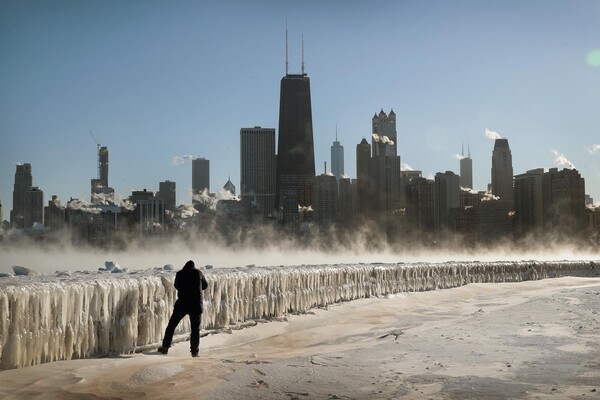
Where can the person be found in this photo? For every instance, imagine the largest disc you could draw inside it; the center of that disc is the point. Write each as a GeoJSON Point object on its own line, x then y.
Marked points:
{"type": "Point", "coordinates": [189, 282]}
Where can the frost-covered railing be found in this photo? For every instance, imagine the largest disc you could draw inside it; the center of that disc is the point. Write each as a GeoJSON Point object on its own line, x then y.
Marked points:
{"type": "Point", "coordinates": [48, 318]}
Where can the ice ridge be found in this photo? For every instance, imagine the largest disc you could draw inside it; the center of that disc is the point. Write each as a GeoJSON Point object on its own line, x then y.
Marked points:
{"type": "Point", "coordinates": [50, 318]}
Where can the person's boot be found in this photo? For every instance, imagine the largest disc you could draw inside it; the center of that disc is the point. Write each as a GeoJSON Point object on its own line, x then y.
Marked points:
{"type": "Point", "coordinates": [163, 350]}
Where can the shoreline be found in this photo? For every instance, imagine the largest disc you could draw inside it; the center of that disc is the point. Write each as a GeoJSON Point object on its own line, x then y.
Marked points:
{"type": "Point", "coordinates": [532, 339]}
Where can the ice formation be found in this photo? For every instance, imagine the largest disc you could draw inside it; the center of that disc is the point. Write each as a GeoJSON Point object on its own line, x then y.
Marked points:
{"type": "Point", "coordinates": [47, 318]}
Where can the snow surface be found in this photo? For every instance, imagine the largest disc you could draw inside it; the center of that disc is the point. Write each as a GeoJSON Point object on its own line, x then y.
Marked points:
{"type": "Point", "coordinates": [45, 318]}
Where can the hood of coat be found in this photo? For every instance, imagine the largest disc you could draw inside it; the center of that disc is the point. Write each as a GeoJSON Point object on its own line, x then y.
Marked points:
{"type": "Point", "coordinates": [189, 265]}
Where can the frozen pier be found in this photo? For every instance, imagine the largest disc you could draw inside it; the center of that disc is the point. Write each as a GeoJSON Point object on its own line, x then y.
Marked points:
{"type": "Point", "coordinates": [47, 318]}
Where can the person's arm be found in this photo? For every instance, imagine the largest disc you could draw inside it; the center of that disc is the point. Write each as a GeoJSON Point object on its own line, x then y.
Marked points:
{"type": "Point", "coordinates": [203, 281]}
{"type": "Point", "coordinates": [177, 281]}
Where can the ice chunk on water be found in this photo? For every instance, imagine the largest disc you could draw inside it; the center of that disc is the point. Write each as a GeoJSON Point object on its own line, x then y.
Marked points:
{"type": "Point", "coordinates": [24, 270]}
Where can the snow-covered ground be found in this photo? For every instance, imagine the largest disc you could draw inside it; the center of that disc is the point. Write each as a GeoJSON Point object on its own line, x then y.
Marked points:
{"type": "Point", "coordinates": [45, 318]}
{"type": "Point", "coordinates": [520, 340]}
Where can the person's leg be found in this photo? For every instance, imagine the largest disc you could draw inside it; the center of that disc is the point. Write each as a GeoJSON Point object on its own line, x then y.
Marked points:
{"type": "Point", "coordinates": [178, 314]}
{"type": "Point", "coordinates": [195, 334]}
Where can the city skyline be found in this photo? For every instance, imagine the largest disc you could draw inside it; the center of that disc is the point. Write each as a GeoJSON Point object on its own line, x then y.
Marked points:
{"type": "Point", "coordinates": [165, 82]}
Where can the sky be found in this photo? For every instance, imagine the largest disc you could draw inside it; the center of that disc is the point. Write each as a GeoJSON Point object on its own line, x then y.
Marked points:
{"type": "Point", "coordinates": [154, 80]}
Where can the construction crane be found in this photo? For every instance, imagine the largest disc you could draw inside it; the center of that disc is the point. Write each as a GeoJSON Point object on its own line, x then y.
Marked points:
{"type": "Point", "coordinates": [98, 151]}
{"type": "Point", "coordinates": [95, 140]}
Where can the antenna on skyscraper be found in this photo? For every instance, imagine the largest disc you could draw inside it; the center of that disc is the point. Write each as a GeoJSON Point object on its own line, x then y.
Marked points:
{"type": "Point", "coordinates": [303, 54]}
{"type": "Point", "coordinates": [286, 48]}
{"type": "Point", "coordinates": [462, 153]}
{"type": "Point", "coordinates": [336, 132]}
{"type": "Point", "coordinates": [469, 147]}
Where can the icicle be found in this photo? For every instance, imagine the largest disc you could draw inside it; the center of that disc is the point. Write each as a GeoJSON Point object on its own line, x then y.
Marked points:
{"type": "Point", "coordinates": [45, 319]}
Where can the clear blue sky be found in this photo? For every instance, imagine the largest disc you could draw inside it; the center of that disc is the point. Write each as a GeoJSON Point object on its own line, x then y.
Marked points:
{"type": "Point", "coordinates": [155, 80]}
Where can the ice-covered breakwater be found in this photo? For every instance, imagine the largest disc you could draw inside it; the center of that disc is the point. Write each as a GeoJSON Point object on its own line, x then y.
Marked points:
{"type": "Point", "coordinates": [48, 318]}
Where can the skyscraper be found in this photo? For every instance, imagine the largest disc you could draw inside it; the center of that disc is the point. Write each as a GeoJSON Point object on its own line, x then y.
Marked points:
{"type": "Point", "coordinates": [33, 211]}
{"type": "Point", "coordinates": [295, 151]}
{"type": "Point", "coordinates": [229, 186]}
{"type": "Point", "coordinates": [529, 213]}
{"type": "Point", "coordinates": [54, 214]}
{"type": "Point", "coordinates": [563, 200]}
{"type": "Point", "coordinates": [502, 171]}
{"type": "Point", "coordinates": [167, 193]}
{"type": "Point", "coordinates": [364, 184]}
{"type": "Point", "coordinates": [446, 197]}
{"type": "Point", "coordinates": [200, 175]}
{"type": "Point", "coordinates": [346, 200]}
{"type": "Point", "coordinates": [23, 181]}
{"type": "Point", "coordinates": [103, 165]}
{"type": "Point", "coordinates": [466, 170]}
{"type": "Point", "coordinates": [257, 169]}
{"type": "Point", "coordinates": [420, 199]}
{"type": "Point", "coordinates": [384, 125]}
{"type": "Point", "coordinates": [101, 193]}
{"type": "Point", "coordinates": [337, 158]}
{"type": "Point", "coordinates": [326, 198]}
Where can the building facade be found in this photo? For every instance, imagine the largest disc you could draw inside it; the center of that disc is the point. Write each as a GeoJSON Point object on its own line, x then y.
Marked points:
{"type": "Point", "coordinates": [101, 193]}
{"type": "Point", "coordinates": [257, 170]}
{"type": "Point", "coordinates": [529, 211]}
{"type": "Point", "coordinates": [23, 181]}
{"type": "Point", "coordinates": [337, 159]}
{"type": "Point", "coordinates": [200, 175]}
{"type": "Point", "coordinates": [295, 170]}
{"type": "Point", "coordinates": [168, 194]}
{"type": "Point", "coordinates": [384, 126]}
{"type": "Point", "coordinates": [466, 171]}
{"type": "Point", "coordinates": [326, 199]}
{"type": "Point", "coordinates": [364, 184]}
{"type": "Point", "coordinates": [502, 171]}
{"type": "Point", "coordinates": [563, 200]}
{"type": "Point", "coordinates": [33, 211]}
{"type": "Point", "coordinates": [54, 214]}
{"type": "Point", "coordinates": [446, 198]}
{"type": "Point", "coordinates": [420, 198]}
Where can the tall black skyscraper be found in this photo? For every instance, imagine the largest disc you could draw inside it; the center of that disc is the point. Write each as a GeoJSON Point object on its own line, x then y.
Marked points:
{"type": "Point", "coordinates": [295, 152]}
{"type": "Point", "coordinates": [502, 171]}
{"type": "Point", "coordinates": [200, 175]}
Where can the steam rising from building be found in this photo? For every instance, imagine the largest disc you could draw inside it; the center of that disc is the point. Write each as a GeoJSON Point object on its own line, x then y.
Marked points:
{"type": "Point", "coordinates": [561, 160]}
{"type": "Point", "coordinates": [492, 135]}
{"type": "Point", "coordinates": [178, 160]}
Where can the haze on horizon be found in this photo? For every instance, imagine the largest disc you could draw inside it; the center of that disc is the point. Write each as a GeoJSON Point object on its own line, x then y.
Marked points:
{"type": "Point", "coordinates": [272, 249]}
{"type": "Point", "coordinates": [157, 81]}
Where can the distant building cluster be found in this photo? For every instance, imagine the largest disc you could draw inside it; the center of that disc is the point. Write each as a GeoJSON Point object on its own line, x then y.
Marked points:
{"type": "Point", "coordinates": [281, 189]}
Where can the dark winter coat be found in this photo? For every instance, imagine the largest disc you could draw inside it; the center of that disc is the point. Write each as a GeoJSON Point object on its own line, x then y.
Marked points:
{"type": "Point", "coordinates": [190, 282]}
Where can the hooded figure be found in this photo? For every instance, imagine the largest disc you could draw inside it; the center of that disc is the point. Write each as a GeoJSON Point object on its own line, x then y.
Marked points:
{"type": "Point", "coordinates": [189, 282]}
